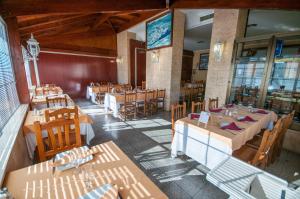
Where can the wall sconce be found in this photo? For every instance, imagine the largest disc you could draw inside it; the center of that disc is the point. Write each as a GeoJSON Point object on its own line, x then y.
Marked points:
{"type": "Point", "coordinates": [218, 50]}
{"type": "Point", "coordinates": [119, 59]}
{"type": "Point", "coordinates": [155, 56]}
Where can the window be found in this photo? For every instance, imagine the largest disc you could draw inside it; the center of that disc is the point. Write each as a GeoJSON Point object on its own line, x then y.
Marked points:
{"type": "Point", "coordinates": [9, 100]}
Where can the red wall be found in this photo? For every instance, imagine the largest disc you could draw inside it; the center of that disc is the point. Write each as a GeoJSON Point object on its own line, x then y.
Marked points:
{"type": "Point", "coordinates": [73, 73]}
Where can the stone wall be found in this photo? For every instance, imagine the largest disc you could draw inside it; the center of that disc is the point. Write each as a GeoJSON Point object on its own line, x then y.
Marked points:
{"type": "Point", "coordinates": [228, 25]}
{"type": "Point", "coordinates": [123, 48]}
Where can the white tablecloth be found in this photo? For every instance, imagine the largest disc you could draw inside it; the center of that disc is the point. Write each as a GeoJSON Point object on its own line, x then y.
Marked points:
{"type": "Point", "coordinates": [90, 94]}
{"type": "Point", "coordinates": [110, 103]}
{"type": "Point", "coordinates": [85, 129]}
{"type": "Point", "coordinates": [209, 148]}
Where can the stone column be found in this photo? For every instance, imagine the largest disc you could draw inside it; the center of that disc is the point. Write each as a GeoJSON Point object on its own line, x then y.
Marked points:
{"type": "Point", "coordinates": [166, 73]}
{"type": "Point", "coordinates": [123, 48]}
{"type": "Point", "coordinates": [228, 25]}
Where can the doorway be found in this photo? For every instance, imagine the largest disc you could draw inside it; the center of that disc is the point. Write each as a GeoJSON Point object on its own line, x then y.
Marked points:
{"type": "Point", "coordinates": [137, 62]}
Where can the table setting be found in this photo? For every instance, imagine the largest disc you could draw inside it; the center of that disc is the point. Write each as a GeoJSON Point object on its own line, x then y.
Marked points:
{"type": "Point", "coordinates": [228, 128]}
{"type": "Point", "coordinates": [39, 115]}
{"type": "Point", "coordinates": [102, 171]}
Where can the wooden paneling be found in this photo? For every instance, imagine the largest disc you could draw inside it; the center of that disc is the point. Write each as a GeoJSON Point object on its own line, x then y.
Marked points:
{"type": "Point", "coordinates": [73, 73]}
{"type": "Point", "coordinates": [17, 59]}
{"type": "Point", "coordinates": [141, 61]}
{"type": "Point", "coordinates": [187, 65]}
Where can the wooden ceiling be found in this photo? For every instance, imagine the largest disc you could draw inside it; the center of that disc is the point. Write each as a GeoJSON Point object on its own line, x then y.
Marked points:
{"type": "Point", "coordinates": [53, 27]}
{"type": "Point", "coordinates": [91, 25]}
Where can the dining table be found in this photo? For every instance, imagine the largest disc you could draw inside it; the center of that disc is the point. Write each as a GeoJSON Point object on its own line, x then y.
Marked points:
{"type": "Point", "coordinates": [38, 100]}
{"type": "Point", "coordinates": [29, 132]}
{"type": "Point", "coordinates": [209, 144]}
{"type": "Point", "coordinates": [110, 166]}
{"type": "Point", "coordinates": [113, 101]}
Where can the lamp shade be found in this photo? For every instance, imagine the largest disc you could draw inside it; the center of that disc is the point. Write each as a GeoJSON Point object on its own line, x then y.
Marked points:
{"type": "Point", "coordinates": [33, 46]}
{"type": "Point", "coordinates": [218, 50]}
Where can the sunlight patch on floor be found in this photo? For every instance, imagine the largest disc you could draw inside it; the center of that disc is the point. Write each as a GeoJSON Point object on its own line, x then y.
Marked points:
{"type": "Point", "coordinates": [116, 126]}
{"type": "Point", "coordinates": [148, 123]}
{"type": "Point", "coordinates": [159, 136]}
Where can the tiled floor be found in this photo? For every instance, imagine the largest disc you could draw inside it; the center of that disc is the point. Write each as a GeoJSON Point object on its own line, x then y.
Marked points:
{"type": "Point", "coordinates": [147, 142]}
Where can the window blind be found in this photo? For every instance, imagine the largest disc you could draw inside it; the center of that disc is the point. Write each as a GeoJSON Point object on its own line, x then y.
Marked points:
{"type": "Point", "coordinates": [9, 100]}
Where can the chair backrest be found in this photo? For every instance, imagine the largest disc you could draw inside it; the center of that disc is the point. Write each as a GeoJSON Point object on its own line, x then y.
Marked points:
{"type": "Point", "coordinates": [58, 133]}
{"type": "Point", "coordinates": [161, 93]}
{"type": "Point", "coordinates": [63, 113]}
{"type": "Point", "coordinates": [261, 156]}
{"type": "Point", "coordinates": [103, 89]}
{"type": "Point", "coordinates": [198, 106]}
{"type": "Point", "coordinates": [150, 95]}
{"type": "Point", "coordinates": [177, 112]}
{"type": "Point", "coordinates": [273, 137]}
{"type": "Point", "coordinates": [143, 85]}
{"type": "Point", "coordinates": [58, 100]}
{"type": "Point", "coordinates": [213, 103]}
{"type": "Point", "coordinates": [130, 97]}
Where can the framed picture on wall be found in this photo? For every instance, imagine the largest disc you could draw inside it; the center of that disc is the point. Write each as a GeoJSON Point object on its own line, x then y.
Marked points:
{"type": "Point", "coordinates": [159, 31]}
{"type": "Point", "coordinates": [203, 61]}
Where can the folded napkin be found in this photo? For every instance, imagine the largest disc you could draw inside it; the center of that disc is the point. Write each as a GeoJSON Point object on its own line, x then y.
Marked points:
{"type": "Point", "coordinates": [261, 111]}
{"type": "Point", "coordinates": [217, 110]}
{"type": "Point", "coordinates": [81, 153]}
{"type": "Point", "coordinates": [64, 161]}
{"type": "Point", "coordinates": [230, 126]}
{"type": "Point", "coordinates": [229, 105]}
{"type": "Point", "coordinates": [194, 116]}
{"type": "Point", "coordinates": [246, 119]}
{"type": "Point", "coordinates": [105, 191]}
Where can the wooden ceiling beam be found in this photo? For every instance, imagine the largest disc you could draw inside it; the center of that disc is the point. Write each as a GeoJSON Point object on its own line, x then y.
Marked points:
{"type": "Point", "coordinates": [63, 25]}
{"type": "Point", "coordinates": [9, 8]}
{"type": "Point", "coordinates": [120, 19]}
{"type": "Point", "coordinates": [144, 16]}
{"type": "Point", "coordinates": [49, 22]}
{"type": "Point", "coordinates": [243, 4]}
{"type": "Point", "coordinates": [101, 20]}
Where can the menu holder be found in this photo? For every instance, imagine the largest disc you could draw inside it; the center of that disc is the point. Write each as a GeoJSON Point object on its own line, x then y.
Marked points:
{"type": "Point", "coordinates": [204, 118]}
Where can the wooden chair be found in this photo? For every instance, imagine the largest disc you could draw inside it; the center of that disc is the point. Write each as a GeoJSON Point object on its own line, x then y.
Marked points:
{"type": "Point", "coordinates": [151, 104]}
{"type": "Point", "coordinates": [287, 121]}
{"type": "Point", "coordinates": [59, 100]}
{"type": "Point", "coordinates": [143, 85]}
{"type": "Point", "coordinates": [129, 106]}
{"type": "Point", "coordinates": [148, 104]}
{"type": "Point", "coordinates": [258, 140]}
{"type": "Point", "coordinates": [100, 94]}
{"type": "Point", "coordinates": [63, 113]}
{"type": "Point", "coordinates": [58, 133]}
{"type": "Point", "coordinates": [160, 98]}
{"type": "Point", "coordinates": [177, 112]}
{"type": "Point", "coordinates": [198, 107]}
{"type": "Point", "coordinates": [256, 157]}
{"type": "Point", "coordinates": [213, 103]}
